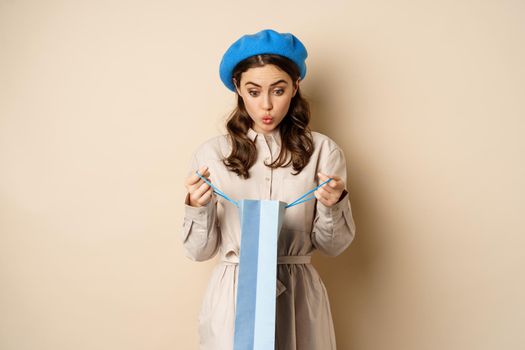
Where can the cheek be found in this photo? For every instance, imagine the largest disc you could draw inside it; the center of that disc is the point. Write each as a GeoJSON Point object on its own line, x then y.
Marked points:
{"type": "Point", "coordinates": [250, 107]}
{"type": "Point", "coordinates": [284, 105]}
{"type": "Point", "coordinates": [248, 104]}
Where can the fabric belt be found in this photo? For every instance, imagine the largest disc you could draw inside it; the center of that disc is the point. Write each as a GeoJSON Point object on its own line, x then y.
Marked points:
{"type": "Point", "coordinates": [281, 260]}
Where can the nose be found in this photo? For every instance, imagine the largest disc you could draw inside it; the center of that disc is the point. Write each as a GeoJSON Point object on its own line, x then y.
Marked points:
{"type": "Point", "coordinates": [267, 101]}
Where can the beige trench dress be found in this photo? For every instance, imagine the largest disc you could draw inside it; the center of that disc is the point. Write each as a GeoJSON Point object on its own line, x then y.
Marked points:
{"type": "Point", "coordinates": [303, 316]}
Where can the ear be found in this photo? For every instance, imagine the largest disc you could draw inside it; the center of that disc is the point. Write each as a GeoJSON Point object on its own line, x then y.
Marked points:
{"type": "Point", "coordinates": [296, 86]}
{"type": "Point", "coordinates": [236, 88]}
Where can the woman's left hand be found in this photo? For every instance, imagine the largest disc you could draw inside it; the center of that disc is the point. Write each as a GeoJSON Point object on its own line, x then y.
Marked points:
{"type": "Point", "coordinates": [330, 193]}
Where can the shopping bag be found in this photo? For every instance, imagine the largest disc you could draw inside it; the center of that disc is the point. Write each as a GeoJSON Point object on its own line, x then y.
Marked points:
{"type": "Point", "coordinates": [261, 222]}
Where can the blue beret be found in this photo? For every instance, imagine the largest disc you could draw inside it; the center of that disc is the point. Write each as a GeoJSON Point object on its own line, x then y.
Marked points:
{"type": "Point", "coordinates": [267, 41]}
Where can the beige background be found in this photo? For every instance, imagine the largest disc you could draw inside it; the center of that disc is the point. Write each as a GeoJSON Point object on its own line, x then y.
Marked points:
{"type": "Point", "coordinates": [102, 103]}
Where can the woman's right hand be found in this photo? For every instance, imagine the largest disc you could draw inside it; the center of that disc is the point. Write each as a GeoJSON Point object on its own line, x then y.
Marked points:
{"type": "Point", "coordinates": [199, 191]}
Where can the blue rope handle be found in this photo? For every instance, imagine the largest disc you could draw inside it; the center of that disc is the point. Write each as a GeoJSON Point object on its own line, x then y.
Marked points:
{"type": "Point", "coordinates": [299, 201]}
{"type": "Point", "coordinates": [216, 190]}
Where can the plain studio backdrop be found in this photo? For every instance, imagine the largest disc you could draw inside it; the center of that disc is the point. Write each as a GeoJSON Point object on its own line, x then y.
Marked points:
{"type": "Point", "coordinates": [103, 102]}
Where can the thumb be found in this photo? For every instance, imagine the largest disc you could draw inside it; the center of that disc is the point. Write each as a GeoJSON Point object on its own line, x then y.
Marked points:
{"type": "Point", "coordinates": [322, 176]}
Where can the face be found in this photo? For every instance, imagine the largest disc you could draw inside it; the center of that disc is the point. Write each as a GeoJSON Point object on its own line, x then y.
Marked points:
{"type": "Point", "coordinates": [266, 92]}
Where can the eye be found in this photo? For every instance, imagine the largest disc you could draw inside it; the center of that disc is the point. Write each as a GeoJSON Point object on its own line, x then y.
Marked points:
{"type": "Point", "coordinates": [279, 91]}
{"type": "Point", "coordinates": [254, 92]}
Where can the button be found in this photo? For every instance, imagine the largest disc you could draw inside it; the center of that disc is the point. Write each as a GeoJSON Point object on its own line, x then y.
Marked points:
{"type": "Point", "coordinates": [267, 178]}
{"type": "Point", "coordinates": [267, 159]}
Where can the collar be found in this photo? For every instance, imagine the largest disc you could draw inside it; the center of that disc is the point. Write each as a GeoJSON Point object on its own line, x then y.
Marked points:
{"type": "Point", "coordinates": [274, 135]}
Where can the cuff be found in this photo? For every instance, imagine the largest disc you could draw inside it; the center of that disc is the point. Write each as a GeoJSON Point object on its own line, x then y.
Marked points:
{"type": "Point", "coordinates": [337, 208]}
{"type": "Point", "coordinates": [197, 212]}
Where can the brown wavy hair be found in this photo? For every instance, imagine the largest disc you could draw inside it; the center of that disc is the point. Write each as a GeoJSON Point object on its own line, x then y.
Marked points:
{"type": "Point", "coordinates": [296, 138]}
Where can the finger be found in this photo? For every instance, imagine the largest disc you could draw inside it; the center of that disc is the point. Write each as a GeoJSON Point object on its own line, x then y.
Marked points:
{"type": "Point", "coordinates": [205, 198]}
{"type": "Point", "coordinates": [335, 177]}
{"type": "Point", "coordinates": [323, 180]}
{"type": "Point", "coordinates": [331, 193]}
{"type": "Point", "coordinates": [332, 196]}
{"type": "Point", "coordinates": [199, 192]}
{"type": "Point", "coordinates": [324, 200]}
{"type": "Point", "coordinates": [337, 184]}
{"type": "Point", "coordinates": [320, 196]}
{"type": "Point", "coordinates": [204, 172]}
{"type": "Point", "coordinates": [324, 177]}
{"type": "Point", "coordinates": [325, 191]}
{"type": "Point", "coordinates": [196, 186]}
{"type": "Point", "coordinates": [194, 178]}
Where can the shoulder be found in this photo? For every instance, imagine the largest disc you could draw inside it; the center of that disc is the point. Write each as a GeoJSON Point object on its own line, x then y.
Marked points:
{"type": "Point", "coordinates": [324, 144]}
{"type": "Point", "coordinates": [214, 147]}
{"type": "Point", "coordinates": [328, 156]}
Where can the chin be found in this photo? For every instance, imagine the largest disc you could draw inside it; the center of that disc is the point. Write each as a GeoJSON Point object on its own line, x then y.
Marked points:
{"type": "Point", "coordinates": [267, 128]}
{"type": "Point", "coordinates": [270, 128]}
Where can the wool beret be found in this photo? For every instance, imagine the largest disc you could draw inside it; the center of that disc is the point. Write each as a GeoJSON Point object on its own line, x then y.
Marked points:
{"type": "Point", "coordinates": [267, 41]}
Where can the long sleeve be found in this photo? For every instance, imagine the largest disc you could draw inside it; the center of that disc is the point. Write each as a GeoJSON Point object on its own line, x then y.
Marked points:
{"type": "Point", "coordinates": [334, 227]}
{"type": "Point", "coordinates": [200, 229]}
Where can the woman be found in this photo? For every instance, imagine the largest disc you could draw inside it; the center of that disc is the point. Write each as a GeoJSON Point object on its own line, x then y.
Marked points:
{"type": "Point", "coordinates": [268, 153]}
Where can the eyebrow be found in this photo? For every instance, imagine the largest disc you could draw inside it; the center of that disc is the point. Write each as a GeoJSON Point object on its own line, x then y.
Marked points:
{"type": "Point", "coordinates": [277, 82]}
